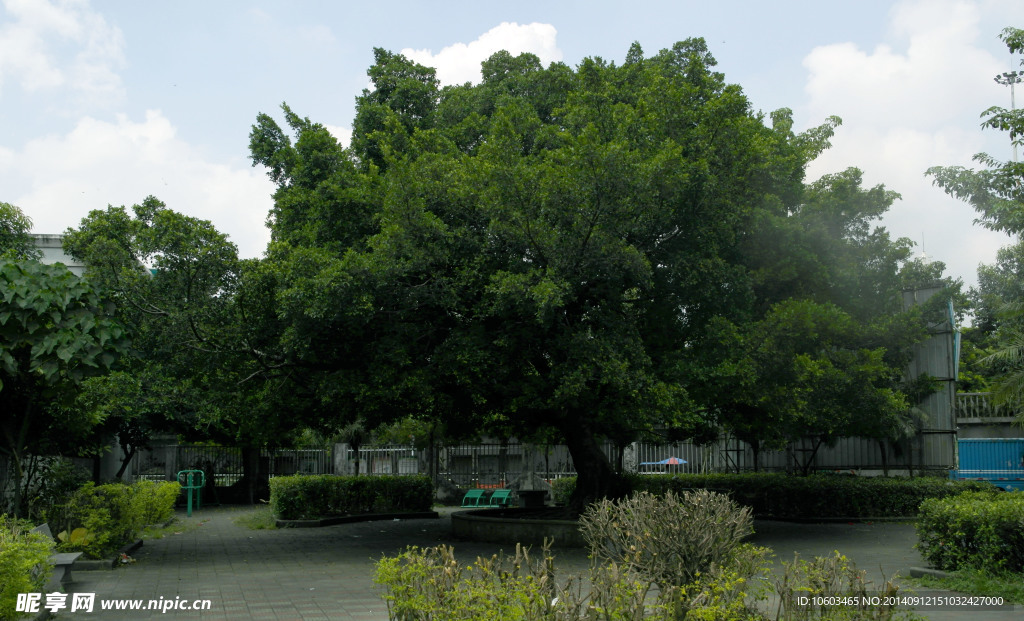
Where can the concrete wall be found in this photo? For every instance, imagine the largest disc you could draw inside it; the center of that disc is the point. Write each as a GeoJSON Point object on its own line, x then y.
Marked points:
{"type": "Point", "coordinates": [989, 428]}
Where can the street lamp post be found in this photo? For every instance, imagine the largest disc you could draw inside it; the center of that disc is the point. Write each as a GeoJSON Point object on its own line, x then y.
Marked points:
{"type": "Point", "coordinates": [1011, 78]}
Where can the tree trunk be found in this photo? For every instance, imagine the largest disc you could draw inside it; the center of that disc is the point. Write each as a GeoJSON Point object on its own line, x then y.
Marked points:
{"type": "Point", "coordinates": [250, 472]}
{"type": "Point", "coordinates": [18, 474]}
{"type": "Point", "coordinates": [595, 478]}
{"type": "Point", "coordinates": [883, 447]}
{"type": "Point", "coordinates": [805, 466]}
{"type": "Point", "coordinates": [17, 450]}
{"type": "Point", "coordinates": [127, 459]}
{"type": "Point", "coordinates": [432, 455]}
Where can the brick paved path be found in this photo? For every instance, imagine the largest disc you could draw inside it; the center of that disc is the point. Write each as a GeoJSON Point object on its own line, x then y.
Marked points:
{"type": "Point", "coordinates": [326, 573]}
{"type": "Point", "coordinates": [296, 573]}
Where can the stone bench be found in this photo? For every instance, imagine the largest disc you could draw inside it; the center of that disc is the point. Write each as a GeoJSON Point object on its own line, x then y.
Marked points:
{"type": "Point", "coordinates": [62, 561]}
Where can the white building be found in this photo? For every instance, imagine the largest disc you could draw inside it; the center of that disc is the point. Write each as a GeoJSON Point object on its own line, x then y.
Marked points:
{"type": "Point", "coordinates": [53, 252]}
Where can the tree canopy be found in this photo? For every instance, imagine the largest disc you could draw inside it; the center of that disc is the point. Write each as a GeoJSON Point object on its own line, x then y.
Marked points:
{"type": "Point", "coordinates": [995, 192]}
{"type": "Point", "coordinates": [15, 241]}
{"type": "Point", "coordinates": [553, 248]}
{"type": "Point", "coordinates": [55, 331]}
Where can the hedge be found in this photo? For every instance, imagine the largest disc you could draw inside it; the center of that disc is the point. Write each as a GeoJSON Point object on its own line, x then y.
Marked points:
{"type": "Point", "coordinates": [98, 519]}
{"type": "Point", "coordinates": [978, 530]}
{"type": "Point", "coordinates": [325, 495]}
{"type": "Point", "coordinates": [811, 497]}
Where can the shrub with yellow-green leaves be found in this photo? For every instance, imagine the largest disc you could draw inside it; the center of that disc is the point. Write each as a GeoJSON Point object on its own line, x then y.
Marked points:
{"type": "Point", "coordinates": [98, 519]}
{"type": "Point", "coordinates": [153, 501]}
{"type": "Point", "coordinates": [430, 584]}
{"type": "Point", "coordinates": [809, 589]}
{"type": "Point", "coordinates": [24, 563]}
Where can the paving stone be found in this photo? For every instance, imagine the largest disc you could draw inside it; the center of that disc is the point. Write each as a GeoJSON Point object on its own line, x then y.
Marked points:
{"type": "Point", "coordinates": [327, 573]}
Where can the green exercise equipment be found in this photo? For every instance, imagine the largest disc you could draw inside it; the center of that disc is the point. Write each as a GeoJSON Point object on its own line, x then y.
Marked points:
{"type": "Point", "coordinates": [191, 487]}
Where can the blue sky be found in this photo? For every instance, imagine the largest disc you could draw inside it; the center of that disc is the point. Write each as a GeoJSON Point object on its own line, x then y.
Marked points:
{"type": "Point", "coordinates": [107, 102]}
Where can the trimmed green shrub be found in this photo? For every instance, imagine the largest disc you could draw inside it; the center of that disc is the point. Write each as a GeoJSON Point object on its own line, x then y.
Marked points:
{"type": "Point", "coordinates": [98, 519]}
{"type": "Point", "coordinates": [562, 488]}
{"type": "Point", "coordinates": [816, 496]}
{"type": "Point", "coordinates": [24, 563]}
{"type": "Point", "coordinates": [153, 501]}
{"type": "Point", "coordinates": [316, 496]}
{"type": "Point", "coordinates": [977, 530]}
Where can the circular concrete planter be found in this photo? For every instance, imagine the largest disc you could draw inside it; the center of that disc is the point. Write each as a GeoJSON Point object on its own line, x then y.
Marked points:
{"type": "Point", "coordinates": [359, 517]}
{"type": "Point", "coordinates": [507, 526]}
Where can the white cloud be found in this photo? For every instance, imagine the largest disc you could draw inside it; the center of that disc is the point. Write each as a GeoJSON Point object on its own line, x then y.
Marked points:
{"type": "Point", "coordinates": [940, 75]}
{"type": "Point", "coordinates": [911, 105]}
{"type": "Point", "coordinates": [57, 180]}
{"type": "Point", "coordinates": [460, 62]}
{"type": "Point", "coordinates": [343, 135]}
{"type": "Point", "coordinates": [63, 44]}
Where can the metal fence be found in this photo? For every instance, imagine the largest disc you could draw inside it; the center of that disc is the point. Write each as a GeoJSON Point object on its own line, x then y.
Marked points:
{"type": "Point", "coordinates": [283, 462]}
{"type": "Point", "coordinates": [383, 459]}
{"type": "Point", "coordinates": [492, 466]}
{"type": "Point", "coordinates": [929, 451]}
{"type": "Point", "coordinates": [224, 463]}
{"type": "Point", "coordinates": [979, 405]}
{"type": "Point", "coordinates": [486, 465]}
{"type": "Point", "coordinates": [695, 459]}
{"type": "Point", "coordinates": [498, 465]}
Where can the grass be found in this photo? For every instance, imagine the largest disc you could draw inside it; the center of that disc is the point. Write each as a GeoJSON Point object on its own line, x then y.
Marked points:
{"type": "Point", "coordinates": [176, 527]}
{"type": "Point", "coordinates": [1009, 586]}
{"type": "Point", "coordinates": [258, 518]}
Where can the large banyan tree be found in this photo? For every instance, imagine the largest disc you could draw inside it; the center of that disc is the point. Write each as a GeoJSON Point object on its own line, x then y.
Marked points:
{"type": "Point", "coordinates": [539, 253]}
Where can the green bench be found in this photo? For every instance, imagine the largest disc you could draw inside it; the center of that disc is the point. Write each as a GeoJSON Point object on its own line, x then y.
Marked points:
{"type": "Point", "coordinates": [474, 498]}
{"type": "Point", "coordinates": [501, 498]}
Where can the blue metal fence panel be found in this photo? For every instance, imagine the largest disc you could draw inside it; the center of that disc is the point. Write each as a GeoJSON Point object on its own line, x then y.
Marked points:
{"type": "Point", "coordinates": [992, 455]}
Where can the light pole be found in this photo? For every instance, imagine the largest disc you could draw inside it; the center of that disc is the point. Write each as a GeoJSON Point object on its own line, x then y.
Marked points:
{"type": "Point", "coordinates": [1012, 78]}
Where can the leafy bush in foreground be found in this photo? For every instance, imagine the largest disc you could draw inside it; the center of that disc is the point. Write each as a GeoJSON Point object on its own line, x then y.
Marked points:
{"type": "Point", "coordinates": [24, 563]}
{"type": "Point", "coordinates": [430, 584]}
{"type": "Point", "coordinates": [670, 540]}
{"type": "Point", "coordinates": [806, 588]}
{"type": "Point", "coordinates": [640, 570]}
